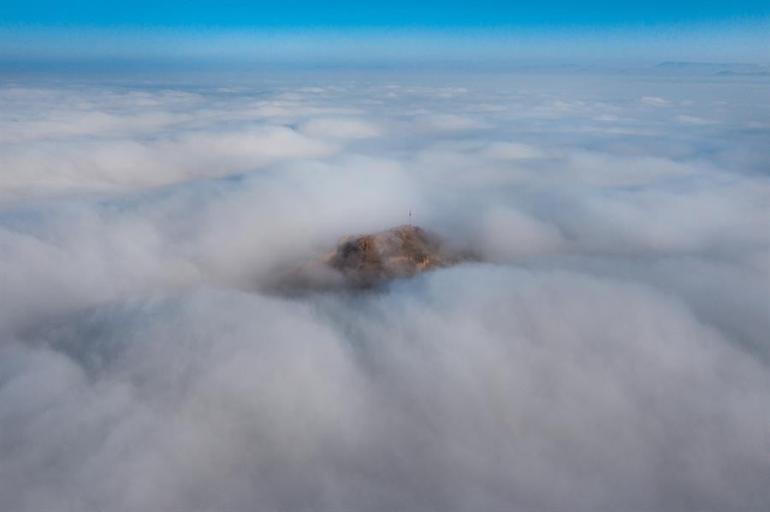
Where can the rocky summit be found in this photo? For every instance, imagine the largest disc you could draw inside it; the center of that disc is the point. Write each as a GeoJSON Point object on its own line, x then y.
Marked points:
{"type": "Point", "coordinates": [403, 251]}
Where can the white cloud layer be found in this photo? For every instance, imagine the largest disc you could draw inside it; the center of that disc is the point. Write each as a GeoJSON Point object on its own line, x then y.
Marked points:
{"type": "Point", "coordinates": [609, 352]}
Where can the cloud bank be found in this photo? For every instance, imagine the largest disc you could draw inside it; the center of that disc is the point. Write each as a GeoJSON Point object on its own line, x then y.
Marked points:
{"type": "Point", "coordinates": [609, 352]}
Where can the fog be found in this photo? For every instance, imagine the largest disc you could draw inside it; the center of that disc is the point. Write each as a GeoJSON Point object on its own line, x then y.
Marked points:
{"type": "Point", "coordinates": [608, 351]}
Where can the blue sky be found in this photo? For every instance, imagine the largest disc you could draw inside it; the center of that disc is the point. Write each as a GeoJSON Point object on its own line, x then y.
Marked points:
{"type": "Point", "coordinates": [684, 29]}
{"type": "Point", "coordinates": [393, 13]}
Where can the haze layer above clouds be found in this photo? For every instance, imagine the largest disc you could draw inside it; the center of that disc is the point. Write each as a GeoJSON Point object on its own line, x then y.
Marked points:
{"type": "Point", "coordinates": [609, 352]}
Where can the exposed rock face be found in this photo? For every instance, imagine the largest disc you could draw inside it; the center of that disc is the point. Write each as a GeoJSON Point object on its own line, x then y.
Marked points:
{"type": "Point", "coordinates": [365, 261]}
{"type": "Point", "coordinates": [403, 251]}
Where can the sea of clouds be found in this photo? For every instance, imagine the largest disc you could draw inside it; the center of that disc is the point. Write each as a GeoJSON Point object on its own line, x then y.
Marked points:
{"type": "Point", "coordinates": [610, 351]}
